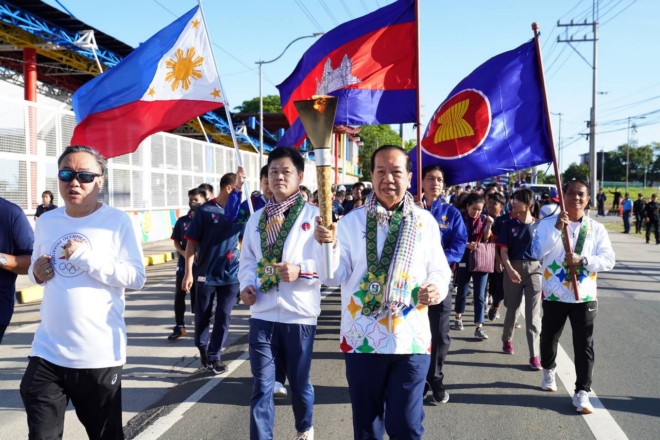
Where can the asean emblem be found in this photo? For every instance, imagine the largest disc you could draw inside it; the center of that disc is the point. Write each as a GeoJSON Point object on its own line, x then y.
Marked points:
{"type": "Point", "coordinates": [269, 270]}
{"type": "Point", "coordinates": [459, 126]}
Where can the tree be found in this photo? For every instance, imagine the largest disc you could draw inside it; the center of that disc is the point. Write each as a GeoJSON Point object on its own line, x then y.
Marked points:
{"type": "Point", "coordinates": [271, 105]}
{"type": "Point", "coordinates": [575, 171]}
{"type": "Point", "coordinates": [373, 137]}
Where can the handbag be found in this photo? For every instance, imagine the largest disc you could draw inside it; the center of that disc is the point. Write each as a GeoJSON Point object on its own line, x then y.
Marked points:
{"type": "Point", "coordinates": [482, 258]}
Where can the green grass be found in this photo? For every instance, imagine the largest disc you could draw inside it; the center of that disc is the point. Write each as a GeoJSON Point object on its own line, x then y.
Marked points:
{"type": "Point", "coordinates": [617, 226]}
{"type": "Point", "coordinates": [646, 192]}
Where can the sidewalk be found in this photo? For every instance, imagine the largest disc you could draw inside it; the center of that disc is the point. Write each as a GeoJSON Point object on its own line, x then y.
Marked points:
{"type": "Point", "coordinates": [155, 253]}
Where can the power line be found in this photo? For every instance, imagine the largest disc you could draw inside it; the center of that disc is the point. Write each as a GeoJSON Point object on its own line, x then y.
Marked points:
{"type": "Point", "coordinates": [309, 15]}
{"type": "Point", "coordinates": [329, 12]}
{"type": "Point", "coordinates": [346, 8]}
{"type": "Point", "coordinates": [619, 13]}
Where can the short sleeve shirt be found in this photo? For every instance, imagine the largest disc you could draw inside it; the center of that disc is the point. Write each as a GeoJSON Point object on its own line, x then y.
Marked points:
{"type": "Point", "coordinates": [517, 237]}
{"type": "Point", "coordinates": [178, 234]}
{"type": "Point", "coordinates": [16, 238]}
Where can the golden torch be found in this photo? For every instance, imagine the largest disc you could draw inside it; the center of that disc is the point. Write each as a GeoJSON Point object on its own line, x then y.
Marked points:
{"type": "Point", "coordinates": [318, 117]}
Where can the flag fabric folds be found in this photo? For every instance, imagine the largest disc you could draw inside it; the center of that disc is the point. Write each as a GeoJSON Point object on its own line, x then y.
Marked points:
{"type": "Point", "coordinates": [369, 64]}
{"type": "Point", "coordinates": [493, 122]}
{"type": "Point", "coordinates": [165, 82]}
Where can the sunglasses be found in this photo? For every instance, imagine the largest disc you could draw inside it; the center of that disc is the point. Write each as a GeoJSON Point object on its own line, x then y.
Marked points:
{"type": "Point", "coordinates": [80, 176]}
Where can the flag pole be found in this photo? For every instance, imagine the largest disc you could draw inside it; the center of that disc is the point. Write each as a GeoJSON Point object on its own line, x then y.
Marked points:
{"type": "Point", "coordinates": [419, 113]}
{"type": "Point", "coordinates": [239, 161]}
{"type": "Point", "coordinates": [560, 192]}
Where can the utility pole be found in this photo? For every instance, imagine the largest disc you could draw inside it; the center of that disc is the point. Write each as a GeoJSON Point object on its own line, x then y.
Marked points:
{"type": "Point", "coordinates": [559, 152]}
{"type": "Point", "coordinates": [592, 124]}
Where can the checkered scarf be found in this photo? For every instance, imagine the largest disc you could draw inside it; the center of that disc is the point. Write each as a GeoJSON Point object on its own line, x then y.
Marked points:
{"type": "Point", "coordinates": [398, 293]}
{"type": "Point", "coordinates": [275, 216]}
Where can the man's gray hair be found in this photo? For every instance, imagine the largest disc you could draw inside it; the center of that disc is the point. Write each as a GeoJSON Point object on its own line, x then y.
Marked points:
{"type": "Point", "coordinates": [100, 160]}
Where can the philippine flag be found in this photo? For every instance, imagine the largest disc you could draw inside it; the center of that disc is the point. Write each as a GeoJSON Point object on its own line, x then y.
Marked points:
{"type": "Point", "coordinates": [493, 122]}
{"type": "Point", "coordinates": [369, 64]}
{"type": "Point", "coordinates": [165, 82]}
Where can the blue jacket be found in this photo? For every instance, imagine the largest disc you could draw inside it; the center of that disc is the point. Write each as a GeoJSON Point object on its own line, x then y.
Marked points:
{"type": "Point", "coordinates": [452, 230]}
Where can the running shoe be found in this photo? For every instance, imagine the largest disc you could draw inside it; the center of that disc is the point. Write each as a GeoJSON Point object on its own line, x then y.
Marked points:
{"type": "Point", "coordinates": [218, 367]}
{"type": "Point", "coordinates": [535, 364]}
{"type": "Point", "coordinates": [457, 325]}
{"type": "Point", "coordinates": [480, 334]}
{"type": "Point", "coordinates": [581, 402]}
{"type": "Point", "coordinates": [279, 390]}
{"type": "Point", "coordinates": [507, 347]}
{"type": "Point", "coordinates": [548, 382]}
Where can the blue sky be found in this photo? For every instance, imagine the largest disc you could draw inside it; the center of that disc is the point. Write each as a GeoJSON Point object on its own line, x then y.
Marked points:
{"type": "Point", "coordinates": [455, 38]}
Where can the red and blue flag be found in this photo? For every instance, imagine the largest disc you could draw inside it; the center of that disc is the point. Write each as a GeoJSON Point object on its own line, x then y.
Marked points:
{"type": "Point", "coordinates": [370, 64]}
{"type": "Point", "coordinates": [492, 123]}
{"type": "Point", "coordinates": [165, 82]}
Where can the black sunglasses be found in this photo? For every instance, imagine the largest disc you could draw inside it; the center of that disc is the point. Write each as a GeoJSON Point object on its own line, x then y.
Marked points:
{"type": "Point", "coordinates": [81, 176]}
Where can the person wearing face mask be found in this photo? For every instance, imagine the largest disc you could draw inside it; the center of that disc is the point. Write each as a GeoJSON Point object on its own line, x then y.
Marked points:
{"type": "Point", "coordinates": [196, 197]}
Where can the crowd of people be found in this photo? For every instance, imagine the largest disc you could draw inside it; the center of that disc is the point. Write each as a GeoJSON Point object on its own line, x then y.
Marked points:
{"type": "Point", "coordinates": [397, 259]}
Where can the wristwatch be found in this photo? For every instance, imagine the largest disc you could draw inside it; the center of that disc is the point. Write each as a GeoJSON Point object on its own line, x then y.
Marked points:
{"type": "Point", "coordinates": [584, 261]}
{"type": "Point", "coordinates": [3, 260]}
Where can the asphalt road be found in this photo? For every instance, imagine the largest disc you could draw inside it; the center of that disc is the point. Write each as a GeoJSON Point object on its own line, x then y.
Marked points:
{"type": "Point", "coordinates": [493, 395]}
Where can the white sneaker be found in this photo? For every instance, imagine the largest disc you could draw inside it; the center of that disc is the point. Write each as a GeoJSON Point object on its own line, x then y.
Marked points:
{"type": "Point", "coordinates": [581, 402]}
{"type": "Point", "coordinates": [279, 390]}
{"type": "Point", "coordinates": [548, 382]}
{"type": "Point", "coordinates": [307, 435]}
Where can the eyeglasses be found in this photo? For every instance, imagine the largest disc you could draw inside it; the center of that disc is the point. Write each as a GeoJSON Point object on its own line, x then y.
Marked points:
{"type": "Point", "coordinates": [81, 176]}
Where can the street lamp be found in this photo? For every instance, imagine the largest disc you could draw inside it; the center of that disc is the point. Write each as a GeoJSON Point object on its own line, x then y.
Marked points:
{"type": "Point", "coordinates": [261, 96]}
{"type": "Point", "coordinates": [630, 118]}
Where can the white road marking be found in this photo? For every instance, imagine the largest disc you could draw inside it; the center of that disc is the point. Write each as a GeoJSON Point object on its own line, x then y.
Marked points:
{"type": "Point", "coordinates": [600, 422]}
{"type": "Point", "coordinates": [163, 424]}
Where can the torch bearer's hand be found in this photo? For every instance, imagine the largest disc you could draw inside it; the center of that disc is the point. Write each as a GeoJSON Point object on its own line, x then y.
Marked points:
{"type": "Point", "coordinates": [323, 234]}
{"type": "Point", "coordinates": [288, 272]}
{"type": "Point", "coordinates": [428, 294]}
{"type": "Point", "coordinates": [249, 295]}
{"type": "Point", "coordinates": [240, 178]}
{"type": "Point", "coordinates": [562, 220]}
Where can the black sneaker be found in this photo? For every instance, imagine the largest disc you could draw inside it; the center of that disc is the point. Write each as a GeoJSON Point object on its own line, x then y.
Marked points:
{"type": "Point", "coordinates": [203, 358]}
{"type": "Point", "coordinates": [218, 367]}
{"type": "Point", "coordinates": [177, 332]}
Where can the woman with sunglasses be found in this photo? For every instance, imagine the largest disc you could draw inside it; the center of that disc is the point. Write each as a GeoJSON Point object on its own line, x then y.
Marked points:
{"type": "Point", "coordinates": [84, 255]}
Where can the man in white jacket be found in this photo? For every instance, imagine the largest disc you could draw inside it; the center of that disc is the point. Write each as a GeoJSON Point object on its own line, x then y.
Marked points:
{"type": "Point", "coordinates": [85, 255]}
{"type": "Point", "coordinates": [278, 279]}
{"type": "Point", "coordinates": [590, 252]}
{"type": "Point", "coordinates": [389, 261]}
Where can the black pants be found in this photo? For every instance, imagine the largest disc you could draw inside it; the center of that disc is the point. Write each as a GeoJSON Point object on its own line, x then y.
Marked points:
{"type": "Point", "coordinates": [639, 221]}
{"type": "Point", "coordinates": [582, 316]}
{"type": "Point", "coordinates": [2, 331]}
{"type": "Point", "coordinates": [439, 319]}
{"type": "Point", "coordinates": [601, 208]}
{"type": "Point", "coordinates": [654, 227]}
{"type": "Point", "coordinates": [96, 395]}
{"type": "Point", "coordinates": [496, 287]}
{"type": "Point", "coordinates": [180, 300]}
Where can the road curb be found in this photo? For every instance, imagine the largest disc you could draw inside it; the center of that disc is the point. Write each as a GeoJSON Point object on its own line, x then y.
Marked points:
{"type": "Point", "coordinates": [34, 294]}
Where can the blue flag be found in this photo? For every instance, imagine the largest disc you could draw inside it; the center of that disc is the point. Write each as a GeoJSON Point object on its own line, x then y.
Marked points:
{"type": "Point", "coordinates": [492, 123]}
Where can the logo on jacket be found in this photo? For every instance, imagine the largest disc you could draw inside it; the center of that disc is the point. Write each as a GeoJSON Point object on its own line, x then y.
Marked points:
{"type": "Point", "coordinates": [60, 263]}
{"type": "Point", "coordinates": [215, 218]}
{"type": "Point", "coordinates": [306, 226]}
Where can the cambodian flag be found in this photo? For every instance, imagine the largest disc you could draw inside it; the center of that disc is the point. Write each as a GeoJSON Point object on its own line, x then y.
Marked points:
{"type": "Point", "coordinates": [369, 64]}
{"type": "Point", "coordinates": [165, 82]}
{"type": "Point", "coordinates": [493, 122]}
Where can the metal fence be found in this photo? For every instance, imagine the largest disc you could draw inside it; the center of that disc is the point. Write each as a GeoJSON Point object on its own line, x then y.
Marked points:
{"type": "Point", "coordinates": [156, 176]}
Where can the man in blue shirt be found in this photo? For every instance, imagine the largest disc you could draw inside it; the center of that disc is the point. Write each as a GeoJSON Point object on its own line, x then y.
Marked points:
{"type": "Point", "coordinates": [627, 207]}
{"type": "Point", "coordinates": [196, 198]}
{"type": "Point", "coordinates": [453, 236]}
{"type": "Point", "coordinates": [16, 240]}
{"type": "Point", "coordinates": [214, 234]}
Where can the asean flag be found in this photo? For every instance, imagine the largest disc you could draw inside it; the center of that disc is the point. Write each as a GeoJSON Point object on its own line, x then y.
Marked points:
{"type": "Point", "coordinates": [369, 64]}
{"type": "Point", "coordinates": [492, 123]}
{"type": "Point", "coordinates": [165, 82]}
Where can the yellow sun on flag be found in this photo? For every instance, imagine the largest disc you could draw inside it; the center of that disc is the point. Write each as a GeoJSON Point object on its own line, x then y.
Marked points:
{"type": "Point", "coordinates": [183, 69]}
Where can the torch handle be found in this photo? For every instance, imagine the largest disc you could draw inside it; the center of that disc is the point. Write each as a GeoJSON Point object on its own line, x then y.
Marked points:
{"type": "Point", "coordinates": [324, 182]}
